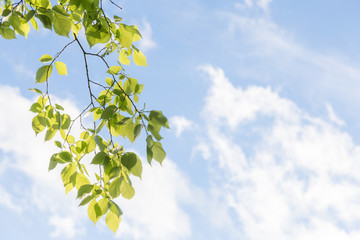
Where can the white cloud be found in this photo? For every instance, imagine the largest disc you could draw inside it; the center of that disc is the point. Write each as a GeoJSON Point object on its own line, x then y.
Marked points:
{"type": "Point", "coordinates": [23, 71]}
{"type": "Point", "coordinates": [156, 212]}
{"type": "Point", "coordinates": [146, 43]}
{"type": "Point", "coordinates": [29, 158]}
{"type": "Point", "coordinates": [7, 200]}
{"type": "Point", "coordinates": [332, 115]}
{"type": "Point", "coordinates": [64, 226]}
{"type": "Point", "coordinates": [180, 124]}
{"type": "Point", "coordinates": [263, 4]}
{"type": "Point", "coordinates": [296, 178]}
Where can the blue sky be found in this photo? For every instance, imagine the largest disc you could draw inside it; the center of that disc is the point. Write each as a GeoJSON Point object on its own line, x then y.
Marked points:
{"type": "Point", "coordinates": [262, 97]}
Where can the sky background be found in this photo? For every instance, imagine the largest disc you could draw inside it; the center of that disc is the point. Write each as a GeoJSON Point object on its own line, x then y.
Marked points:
{"type": "Point", "coordinates": [263, 100]}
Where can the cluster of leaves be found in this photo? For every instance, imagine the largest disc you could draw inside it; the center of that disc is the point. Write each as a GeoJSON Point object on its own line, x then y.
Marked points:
{"type": "Point", "coordinates": [114, 110]}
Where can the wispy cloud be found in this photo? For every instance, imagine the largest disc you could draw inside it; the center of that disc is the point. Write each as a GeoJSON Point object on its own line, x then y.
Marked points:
{"type": "Point", "coordinates": [275, 56]}
{"type": "Point", "coordinates": [263, 4]}
{"type": "Point", "coordinates": [146, 43]}
{"type": "Point", "coordinates": [295, 178]}
{"type": "Point", "coordinates": [180, 124]}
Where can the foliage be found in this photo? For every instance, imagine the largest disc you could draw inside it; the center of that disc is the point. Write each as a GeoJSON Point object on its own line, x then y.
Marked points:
{"type": "Point", "coordinates": [115, 111]}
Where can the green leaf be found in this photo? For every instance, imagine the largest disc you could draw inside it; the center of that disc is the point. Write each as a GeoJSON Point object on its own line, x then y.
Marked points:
{"type": "Point", "coordinates": [86, 200]}
{"type": "Point", "coordinates": [113, 219]}
{"type": "Point", "coordinates": [114, 70]}
{"type": "Point", "coordinates": [137, 169]}
{"type": "Point", "coordinates": [84, 189]}
{"type": "Point", "coordinates": [46, 19]}
{"type": "Point", "coordinates": [39, 123]}
{"type": "Point", "coordinates": [158, 118]}
{"type": "Point", "coordinates": [58, 144]}
{"type": "Point", "coordinates": [65, 121]}
{"type": "Point", "coordinates": [114, 188]}
{"type": "Point", "coordinates": [123, 121]}
{"type": "Point", "coordinates": [100, 158]}
{"type": "Point", "coordinates": [154, 131]}
{"type": "Point", "coordinates": [104, 205]}
{"type": "Point", "coordinates": [97, 114]}
{"type": "Point", "coordinates": [139, 58]}
{"type": "Point", "coordinates": [123, 57]}
{"type": "Point", "coordinates": [61, 21]}
{"type": "Point", "coordinates": [149, 154]}
{"type": "Point", "coordinates": [65, 156]}
{"type": "Point", "coordinates": [67, 173]}
{"type": "Point", "coordinates": [44, 3]}
{"type": "Point", "coordinates": [117, 19]}
{"type": "Point", "coordinates": [101, 125]}
{"type": "Point", "coordinates": [57, 106]}
{"type": "Point", "coordinates": [109, 112]}
{"type": "Point", "coordinates": [29, 15]}
{"type": "Point", "coordinates": [24, 29]}
{"type": "Point", "coordinates": [129, 160]}
{"type": "Point", "coordinates": [89, 4]}
{"type": "Point", "coordinates": [100, 142]}
{"type": "Point", "coordinates": [127, 191]}
{"type": "Point", "coordinates": [50, 133]}
{"type": "Point", "coordinates": [91, 144]}
{"type": "Point", "coordinates": [43, 73]}
{"type": "Point", "coordinates": [34, 23]}
{"type": "Point", "coordinates": [124, 35]}
{"type": "Point", "coordinates": [53, 162]}
{"type": "Point", "coordinates": [158, 152]}
{"type": "Point", "coordinates": [6, 12]}
{"type": "Point", "coordinates": [81, 180]}
{"type": "Point", "coordinates": [129, 130]}
{"type": "Point", "coordinates": [61, 68]}
{"type": "Point", "coordinates": [137, 131]}
{"type": "Point", "coordinates": [94, 35]}
{"type": "Point", "coordinates": [36, 108]}
{"type": "Point", "coordinates": [7, 33]}
{"type": "Point", "coordinates": [35, 90]}
{"type": "Point", "coordinates": [109, 81]}
{"type": "Point", "coordinates": [45, 58]}
{"type": "Point", "coordinates": [94, 211]}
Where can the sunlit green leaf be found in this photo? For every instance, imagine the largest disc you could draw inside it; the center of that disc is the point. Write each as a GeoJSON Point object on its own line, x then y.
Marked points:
{"type": "Point", "coordinates": [158, 152]}
{"type": "Point", "coordinates": [114, 188]}
{"type": "Point", "coordinates": [86, 200]}
{"type": "Point", "coordinates": [108, 112]}
{"type": "Point", "coordinates": [123, 58]}
{"type": "Point", "coordinates": [50, 133]}
{"type": "Point", "coordinates": [129, 160]}
{"type": "Point", "coordinates": [36, 90]}
{"type": "Point", "coordinates": [84, 189]}
{"type": "Point", "coordinates": [36, 108]}
{"type": "Point", "coordinates": [65, 156]}
{"type": "Point", "coordinates": [127, 191]}
{"type": "Point", "coordinates": [157, 117]}
{"type": "Point", "coordinates": [94, 211]}
{"type": "Point", "coordinates": [100, 158]}
{"type": "Point", "coordinates": [61, 21]}
{"type": "Point", "coordinates": [81, 180]}
{"type": "Point", "coordinates": [113, 219]}
{"type": "Point", "coordinates": [154, 131]}
{"type": "Point", "coordinates": [104, 205]}
{"type": "Point", "coordinates": [61, 68]}
{"type": "Point", "coordinates": [114, 70]}
{"type": "Point", "coordinates": [139, 58]}
{"type": "Point", "coordinates": [43, 73]}
{"type": "Point", "coordinates": [7, 33]}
